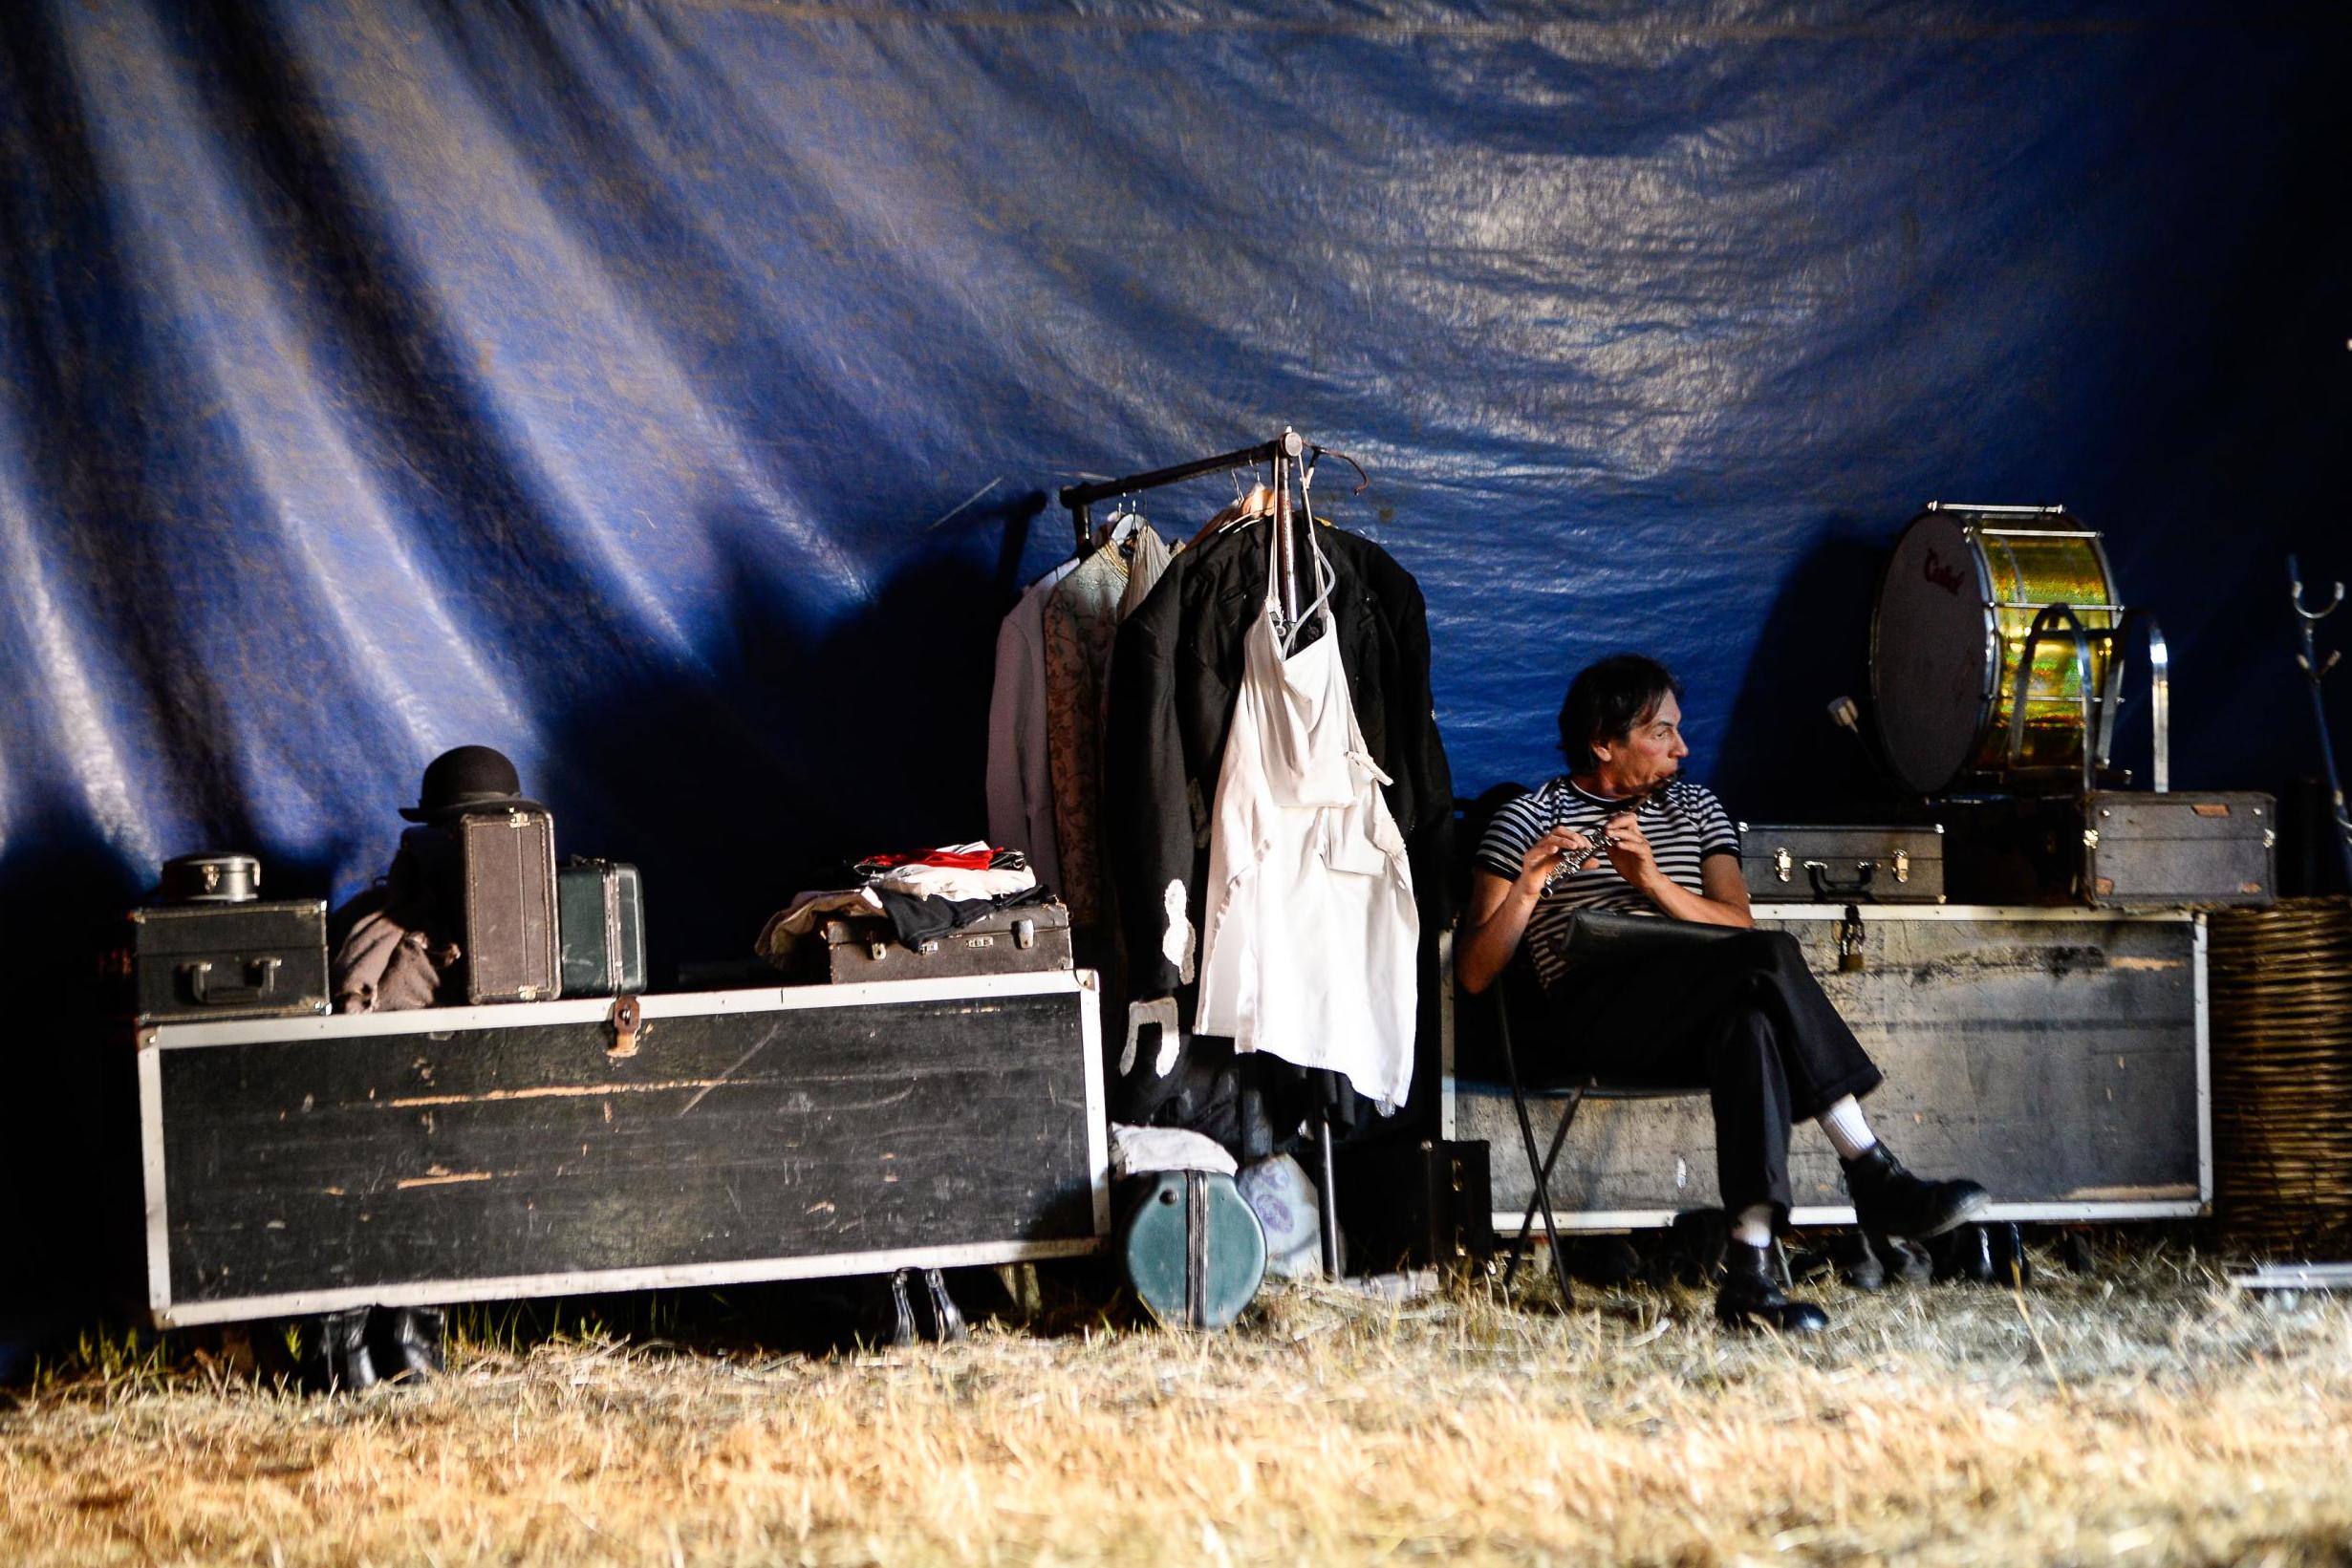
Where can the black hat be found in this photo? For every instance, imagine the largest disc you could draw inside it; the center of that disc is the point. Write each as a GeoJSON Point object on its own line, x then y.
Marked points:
{"type": "Point", "coordinates": [468, 779]}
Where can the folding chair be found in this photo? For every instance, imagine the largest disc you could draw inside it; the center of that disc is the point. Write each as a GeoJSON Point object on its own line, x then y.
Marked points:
{"type": "Point", "coordinates": [1593, 936]}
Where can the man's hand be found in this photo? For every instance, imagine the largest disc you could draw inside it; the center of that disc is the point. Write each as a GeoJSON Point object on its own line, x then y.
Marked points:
{"type": "Point", "coordinates": [1629, 850]}
{"type": "Point", "coordinates": [1543, 856]}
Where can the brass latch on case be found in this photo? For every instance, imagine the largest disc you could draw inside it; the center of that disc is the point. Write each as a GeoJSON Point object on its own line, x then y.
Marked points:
{"type": "Point", "coordinates": [1902, 865]}
{"type": "Point", "coordinates": [627, 1022]}
{"type": "Point", "coordinates": [1783, 864]}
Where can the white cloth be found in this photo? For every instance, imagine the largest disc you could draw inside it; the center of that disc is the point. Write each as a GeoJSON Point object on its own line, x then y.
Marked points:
{"type": "Point", "coordinates": [955, 882]}
{"type": "Point", "coordinates": [1310, 931]}
{"type": "Point", "coordinates": [1138, 1150]}
{"type": "Point", "coordinates": [1020, 783]}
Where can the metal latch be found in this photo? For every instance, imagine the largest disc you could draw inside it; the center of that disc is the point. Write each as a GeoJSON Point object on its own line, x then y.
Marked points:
{"type": "Point", "coordinates": [627, 1022]}
{"type": "Point", "coordinates": [1783, 864]}
{"type": "Point", "coordinates": [1902, 865]}
{"type": "Point", "coordinates": [1024, 934]}
{"type": "Point", "coordinates": [2090, 838]}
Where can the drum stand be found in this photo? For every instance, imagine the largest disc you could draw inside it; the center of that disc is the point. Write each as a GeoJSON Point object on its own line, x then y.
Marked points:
{"type": "Point", "coordinates": [2100, 706]}
{"type": "Point", "coordinates": [2314, 669]}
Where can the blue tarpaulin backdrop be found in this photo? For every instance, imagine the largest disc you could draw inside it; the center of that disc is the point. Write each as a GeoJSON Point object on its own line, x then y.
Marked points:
{"type": "Point", "coordinates": [667, 392]}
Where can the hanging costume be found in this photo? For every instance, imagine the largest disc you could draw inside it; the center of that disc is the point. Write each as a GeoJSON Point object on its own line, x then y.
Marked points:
{"type": "Point", "coordinates": [1175, 675]}
{"type": "Point", "coordinates": [1310, 932]}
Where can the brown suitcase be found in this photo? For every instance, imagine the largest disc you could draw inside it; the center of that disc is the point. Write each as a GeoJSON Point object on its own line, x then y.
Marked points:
{"type": "Point", "coordinates": [1011, 941]}
{"type": "Point", "coordinates": [512, 951]}
{"type": "Point", "coordinates": [2185, 847]}
{"type": "Point", "coordinates": [2117, 848]}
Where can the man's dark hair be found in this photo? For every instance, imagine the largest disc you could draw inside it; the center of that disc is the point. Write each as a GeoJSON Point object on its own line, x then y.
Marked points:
{"type": "Point", "coordinates": [1607, 699]}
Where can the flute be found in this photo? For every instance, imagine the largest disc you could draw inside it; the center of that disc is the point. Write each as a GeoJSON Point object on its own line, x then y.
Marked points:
{"type": "Point", "coordinates": [1573, 861]}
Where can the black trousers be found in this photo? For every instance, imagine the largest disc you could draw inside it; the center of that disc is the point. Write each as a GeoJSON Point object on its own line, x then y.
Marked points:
{"type": "Point", "coordinates": [1741, 1018]}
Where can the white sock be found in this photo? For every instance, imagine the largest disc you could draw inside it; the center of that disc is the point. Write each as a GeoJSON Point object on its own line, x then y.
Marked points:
{"type": "Point", "coordinates": [1752, 1226]}
{"type": "Point", "coordinates": [1846, 1130]}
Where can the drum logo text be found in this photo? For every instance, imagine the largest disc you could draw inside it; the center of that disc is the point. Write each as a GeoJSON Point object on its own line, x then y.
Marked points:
{"type": "Point", "coordinates": [1947, 578]}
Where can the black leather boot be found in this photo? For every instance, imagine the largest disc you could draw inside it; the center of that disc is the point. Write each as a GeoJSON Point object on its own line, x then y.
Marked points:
{"type": "Point", "coordinates": [406, 1342]}
{"type": "Point", "coordinates": [331, 1352]}
{"type": "Point", "coordinates": [1750, 1298]}
{"type": "Point", "coordinates": [1890, 1201]}
{"type": "Point", "coordinates": [947, 1324]}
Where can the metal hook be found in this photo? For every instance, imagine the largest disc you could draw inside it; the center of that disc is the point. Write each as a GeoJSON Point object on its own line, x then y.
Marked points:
{"type": "Point", "coordinates": [2295, 588]}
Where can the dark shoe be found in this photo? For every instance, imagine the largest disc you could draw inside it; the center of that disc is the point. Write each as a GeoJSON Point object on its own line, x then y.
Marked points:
{"type": "Point", "coordinates": [331, 1352]}
{"type": "Point", "coordinates": [1845, 1255]}
{"type": "Point", "coordinates": [1751, 1298]}
{"type": "Point", "coordinates": [946, 1324]}
{"type": "Point", "coordinates": [1992, 1253]}
{"type": "Point", "coordinates": [1891, 1201]}
{"type": "Point", "coordinates": [903, 1330]}
{"type": "Point", "coordinates": [406, 1342]}
{"type": "Point", "coordinates": [1905, 1262]}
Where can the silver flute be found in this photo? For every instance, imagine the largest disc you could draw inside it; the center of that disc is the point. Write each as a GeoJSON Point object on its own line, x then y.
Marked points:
{"type": "Point", "coordinates": [1576, 860]}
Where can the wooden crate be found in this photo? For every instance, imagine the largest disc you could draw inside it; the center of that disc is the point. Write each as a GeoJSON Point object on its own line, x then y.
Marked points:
{"type": "Point", "coordinates": [449, 1155]}
{"type": "Point", "coordinates": [2057, 1055]}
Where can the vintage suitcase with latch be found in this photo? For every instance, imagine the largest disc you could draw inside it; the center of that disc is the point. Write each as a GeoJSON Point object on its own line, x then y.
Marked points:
{"type": "Point", "coordinates": [2114, 848]}
{"type": "Point", "coordinates": [1011, 941]}
{"type": "Point", "coordinates": [2178, 848]}
{"type": "Point", "coordinates": [507, 864]}
{"type": "Point", "coordinates": [1790, 865]}
{"type": "Point", "coordinates": [246, 960]}
{"type": "Point", "coordinates": [601, 921]}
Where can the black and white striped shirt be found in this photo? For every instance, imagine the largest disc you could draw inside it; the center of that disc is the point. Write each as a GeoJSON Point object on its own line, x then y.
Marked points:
{"type": "Point", "coordinates": [1684, 826]}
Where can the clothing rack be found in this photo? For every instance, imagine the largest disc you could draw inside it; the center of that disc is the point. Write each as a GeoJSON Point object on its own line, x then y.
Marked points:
{"type": "Point", "coordinates": [1282, 452]}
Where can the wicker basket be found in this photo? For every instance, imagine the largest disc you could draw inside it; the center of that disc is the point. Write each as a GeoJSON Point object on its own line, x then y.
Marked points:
{"type": "Point", "coordinates": [2282, 1012]}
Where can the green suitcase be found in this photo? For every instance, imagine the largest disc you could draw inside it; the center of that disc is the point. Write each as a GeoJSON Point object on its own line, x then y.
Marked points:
{"type": "Point", "coordinates": [601, 921]}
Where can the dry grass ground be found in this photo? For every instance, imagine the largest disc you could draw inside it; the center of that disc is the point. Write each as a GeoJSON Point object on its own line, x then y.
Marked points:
{"type": "Point", "coordinates": [2149, 1415]}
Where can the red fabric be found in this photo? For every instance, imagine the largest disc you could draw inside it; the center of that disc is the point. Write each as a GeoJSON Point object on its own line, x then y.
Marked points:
{"type": "Point", "coordinates": [962, 860]}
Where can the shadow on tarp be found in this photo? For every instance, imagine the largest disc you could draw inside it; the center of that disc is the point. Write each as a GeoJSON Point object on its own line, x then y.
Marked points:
{"type": "Point", "coordinates": [1782, 760]}
{"type": "Point", "coordinates": [801, 752]}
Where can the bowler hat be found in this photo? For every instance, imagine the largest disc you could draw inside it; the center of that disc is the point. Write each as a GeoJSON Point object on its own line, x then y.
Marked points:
{"type": "Point", "coordinates": [468, 779]}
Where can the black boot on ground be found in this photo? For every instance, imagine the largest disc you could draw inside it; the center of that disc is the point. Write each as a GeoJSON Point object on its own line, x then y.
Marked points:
{"type": "Point", "coordinates": [331, 1353]}
{"type": "Point", "coordinates": [1890, 1201]}
{"type": "Point", "coordinates": [1750, 1298]}
{"type": "Point", "coordinates": [406, 1342]}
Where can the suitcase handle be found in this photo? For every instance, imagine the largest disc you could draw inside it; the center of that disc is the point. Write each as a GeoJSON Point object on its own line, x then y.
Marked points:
{"type": "Point", "coordinates": [1829, 891]}
{"type": "Point", "coordinates": [261, 979]}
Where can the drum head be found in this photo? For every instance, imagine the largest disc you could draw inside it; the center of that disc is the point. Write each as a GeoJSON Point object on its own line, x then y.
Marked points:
{"type": "Point", "coordinates": [1931, 652]}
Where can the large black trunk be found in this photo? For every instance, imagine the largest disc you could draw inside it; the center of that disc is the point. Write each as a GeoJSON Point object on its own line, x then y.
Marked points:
{"type": "Point", "coordinates": [1787, 865]}
{"type": "Point", "coordinates": [459, 1153]}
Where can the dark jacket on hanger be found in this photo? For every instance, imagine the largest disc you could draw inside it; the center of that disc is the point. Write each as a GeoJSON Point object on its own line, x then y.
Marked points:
{"type": "Point", "coordinates": [1174, 677]}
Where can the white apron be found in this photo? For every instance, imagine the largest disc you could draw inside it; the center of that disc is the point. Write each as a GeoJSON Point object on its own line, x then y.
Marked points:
{"type": "Point", "coordinates": [1310, 932]}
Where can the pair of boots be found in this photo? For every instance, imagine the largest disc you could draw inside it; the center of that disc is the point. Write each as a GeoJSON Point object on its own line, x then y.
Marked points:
{"type": "Point", "coordinates": [918, 1308]}
{"type": "Point", "coordinates": [357, 1348]}
{"type": "Point", "coordinates": [1888, 1201]}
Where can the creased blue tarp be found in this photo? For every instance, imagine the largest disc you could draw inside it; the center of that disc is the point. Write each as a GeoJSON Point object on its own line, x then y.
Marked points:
{"type": "Point", "coordinates": [666, 392]}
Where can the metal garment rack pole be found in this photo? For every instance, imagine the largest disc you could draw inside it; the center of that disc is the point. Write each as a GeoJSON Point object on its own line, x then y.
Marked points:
{"type": "Point", "coordinates": [1282, 451]}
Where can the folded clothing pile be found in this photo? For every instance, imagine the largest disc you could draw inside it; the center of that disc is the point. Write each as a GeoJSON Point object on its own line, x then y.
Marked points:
{"type": "Point", "coordinates": [922, 894]}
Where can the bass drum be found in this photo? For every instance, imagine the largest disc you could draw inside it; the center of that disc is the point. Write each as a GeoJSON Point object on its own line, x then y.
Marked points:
{"type": "Point", "coordinates": [1953, 611]}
